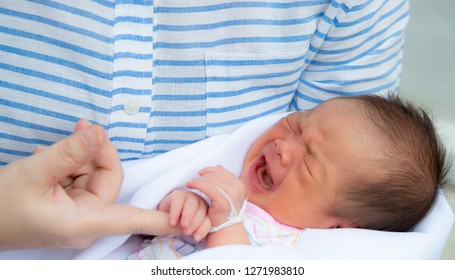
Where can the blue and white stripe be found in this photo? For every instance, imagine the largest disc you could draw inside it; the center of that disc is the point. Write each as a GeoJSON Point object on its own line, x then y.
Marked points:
{"type": "Point", "coordinates": [192, 68]}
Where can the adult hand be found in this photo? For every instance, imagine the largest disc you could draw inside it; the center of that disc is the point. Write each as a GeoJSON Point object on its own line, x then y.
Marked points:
{"type": "Point", "coordinates": [63, 196]}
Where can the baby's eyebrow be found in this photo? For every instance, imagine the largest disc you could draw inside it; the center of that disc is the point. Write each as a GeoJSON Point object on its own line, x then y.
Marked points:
{"type": "Point", "coordinates": [301, 117]}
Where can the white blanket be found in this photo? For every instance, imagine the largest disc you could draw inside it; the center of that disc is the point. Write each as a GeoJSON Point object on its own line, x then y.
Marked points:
{"type": "Point", "coordinates": [148, 181]}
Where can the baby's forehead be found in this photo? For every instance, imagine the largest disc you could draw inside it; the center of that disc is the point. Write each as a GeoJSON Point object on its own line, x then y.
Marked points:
{"type": "Point", "coordinates": [348, 104]}
{"type": "Point", "coordinates": [347, 107]}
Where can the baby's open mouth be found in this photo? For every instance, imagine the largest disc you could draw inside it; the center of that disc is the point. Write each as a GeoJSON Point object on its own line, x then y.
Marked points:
{"type": "Point", "coordinates": [263, 174]}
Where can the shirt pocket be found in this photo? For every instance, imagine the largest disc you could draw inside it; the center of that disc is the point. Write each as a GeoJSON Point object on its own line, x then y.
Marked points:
{"type": "Point", "coordinates": [244, 86]}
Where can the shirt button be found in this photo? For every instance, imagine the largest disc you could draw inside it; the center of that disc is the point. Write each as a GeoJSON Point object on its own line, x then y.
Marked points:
{"type": "Point", "coordinates": [132, 107]}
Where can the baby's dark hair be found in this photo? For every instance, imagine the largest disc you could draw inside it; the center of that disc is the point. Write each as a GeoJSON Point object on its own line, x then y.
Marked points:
{"type": "Point", "coordinates": [407, 176]}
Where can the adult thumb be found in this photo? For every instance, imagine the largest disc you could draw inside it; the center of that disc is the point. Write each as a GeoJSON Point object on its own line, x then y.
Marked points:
{"type": "Point", "coordinates": [64, 157]}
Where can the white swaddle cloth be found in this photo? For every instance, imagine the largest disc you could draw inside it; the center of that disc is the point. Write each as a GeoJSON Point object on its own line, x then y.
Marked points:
{"type": "Point", "coordinates": [148, 181]}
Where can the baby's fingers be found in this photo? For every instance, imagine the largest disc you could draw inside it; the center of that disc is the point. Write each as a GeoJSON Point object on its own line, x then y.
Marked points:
{"type": "Point", "coordinates": [173, 205]}
{"type": "Point", "coordinates": [203, 229]}
{"type": "Point", "coordinates": [194, 219]}
{"type": "Point", "coordinates": [190, 208]}
{"type": "Point", "coordinates": [208, 186]}
{"type": "Point", "coordinates": [220, 206]}
{"type": "Point", "coordinates": [212, 169]}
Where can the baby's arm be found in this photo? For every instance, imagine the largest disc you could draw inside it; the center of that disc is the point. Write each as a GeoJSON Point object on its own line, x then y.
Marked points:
{"type": "Point", "coordinates": [213, 182]}
{"type": "Point", "coordinates": [187, 210]}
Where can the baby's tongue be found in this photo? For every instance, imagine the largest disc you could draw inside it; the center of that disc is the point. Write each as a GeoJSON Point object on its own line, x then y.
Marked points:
{"type": "Point", "coordinates": [264, 178]}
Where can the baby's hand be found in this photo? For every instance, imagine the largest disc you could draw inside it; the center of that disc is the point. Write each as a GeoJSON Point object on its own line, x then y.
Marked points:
{"type": "Point", "coordinates": [210, 182]}
{"type": "Point", "coordinates": [189, 210]}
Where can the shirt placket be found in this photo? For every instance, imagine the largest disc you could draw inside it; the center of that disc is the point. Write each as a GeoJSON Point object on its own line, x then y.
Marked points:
{"type": "Point", "coordinates": [132, 77]}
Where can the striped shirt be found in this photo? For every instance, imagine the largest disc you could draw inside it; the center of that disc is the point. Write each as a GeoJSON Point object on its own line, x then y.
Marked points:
{"type": "Point", "coordinates": [159, 74]}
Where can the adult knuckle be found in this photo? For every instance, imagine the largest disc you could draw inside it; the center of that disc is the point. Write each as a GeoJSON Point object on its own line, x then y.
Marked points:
{"type": "Point", "coordinates": [68, 154]}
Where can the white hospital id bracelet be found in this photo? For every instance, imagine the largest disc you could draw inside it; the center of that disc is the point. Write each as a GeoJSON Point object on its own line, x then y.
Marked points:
{"type": "Point", "coordinates": [234, 217]}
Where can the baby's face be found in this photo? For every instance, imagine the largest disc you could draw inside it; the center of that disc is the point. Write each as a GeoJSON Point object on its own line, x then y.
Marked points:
{"type": "Point", "coordinates": [293, 170]}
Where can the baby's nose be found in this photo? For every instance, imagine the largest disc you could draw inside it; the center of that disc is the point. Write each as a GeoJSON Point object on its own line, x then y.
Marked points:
{"type": "Point", "coordinates": [284, 150]}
